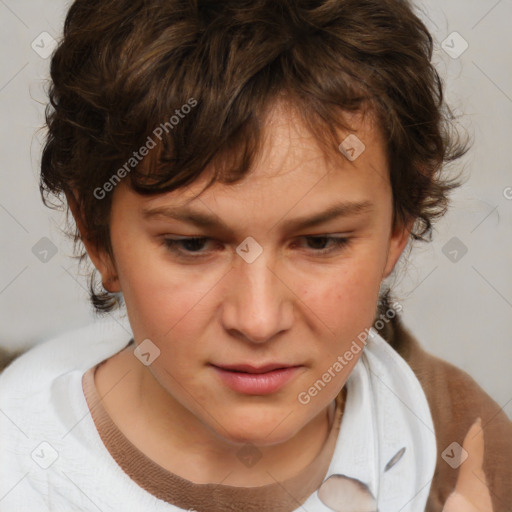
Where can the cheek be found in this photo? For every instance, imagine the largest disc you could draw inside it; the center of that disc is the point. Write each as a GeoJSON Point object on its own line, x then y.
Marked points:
{"type": "Point", "coordinates": [163, 309]}
{"type": "Point", "coordinates": [160, 299]}
{"type": "Point", "coordinates": [345, 302]}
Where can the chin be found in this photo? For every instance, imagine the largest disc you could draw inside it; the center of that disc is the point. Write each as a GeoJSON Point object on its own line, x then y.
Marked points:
{"type": "Point", "coordinates": [260, 428]}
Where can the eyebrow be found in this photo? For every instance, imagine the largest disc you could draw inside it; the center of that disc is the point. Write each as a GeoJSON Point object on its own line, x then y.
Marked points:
{"type": "Point", "coordinates": [207, 220]}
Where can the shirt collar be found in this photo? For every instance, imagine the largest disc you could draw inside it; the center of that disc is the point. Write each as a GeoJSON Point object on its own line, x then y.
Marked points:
{"type": "Point", "coordinates": [386, 446]}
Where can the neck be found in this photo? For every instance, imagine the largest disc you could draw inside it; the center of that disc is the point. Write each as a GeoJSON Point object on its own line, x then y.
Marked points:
{"type": "Point", "coordinates": [173, 437]}
{"type": "Point", "coordinates": [183, 444]}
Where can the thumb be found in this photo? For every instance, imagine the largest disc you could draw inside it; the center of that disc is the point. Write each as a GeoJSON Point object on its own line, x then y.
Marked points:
{"type": "Point", "coordinates": [471, 491]}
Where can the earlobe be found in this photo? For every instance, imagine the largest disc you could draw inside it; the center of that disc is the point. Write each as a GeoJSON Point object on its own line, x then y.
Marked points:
{"type": "Point", "coordinates": [99, 257]}
{"type": "Point", "coordinates": [111, 284]}
{"type": "Point", "coordinates": [397, 243]}
{"type": "Point", "coordinates": [105, 266]}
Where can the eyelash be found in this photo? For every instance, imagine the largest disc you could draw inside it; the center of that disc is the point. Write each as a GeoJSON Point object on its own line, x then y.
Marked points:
{"type": "Point", "coordinates": [174, 244]}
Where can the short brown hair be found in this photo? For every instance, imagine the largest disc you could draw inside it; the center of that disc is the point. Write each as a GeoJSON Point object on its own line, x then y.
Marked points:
{"type": "Point", "coordinates": [124, 67]}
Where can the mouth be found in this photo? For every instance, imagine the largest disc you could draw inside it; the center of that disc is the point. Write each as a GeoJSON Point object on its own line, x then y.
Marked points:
{"type": "Point", "coordinates": [256, 380]}
{"type": "Point", "coordinates": [248, 368]}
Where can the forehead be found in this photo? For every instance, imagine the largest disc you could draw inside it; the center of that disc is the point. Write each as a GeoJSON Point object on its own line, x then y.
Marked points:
{"type": "Point", "coordinates": [293, 170]}
{"type": "Point", "coordinates": [288, 141]}
{"type": "Point", "coordinates": [293, 161]}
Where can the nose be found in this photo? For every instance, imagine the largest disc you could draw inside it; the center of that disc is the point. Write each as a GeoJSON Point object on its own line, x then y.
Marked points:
{"type": "Point", "coordinates": [259, 304]}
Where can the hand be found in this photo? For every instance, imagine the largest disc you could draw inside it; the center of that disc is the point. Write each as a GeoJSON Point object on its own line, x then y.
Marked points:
{"type": "Point", "coordinates": [471, 492]}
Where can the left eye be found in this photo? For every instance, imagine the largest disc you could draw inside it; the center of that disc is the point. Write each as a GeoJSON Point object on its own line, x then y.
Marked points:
{"type": "Point", "coordinates": [193, 245]}
{"type": "Point", "coordinates": [337, 242]}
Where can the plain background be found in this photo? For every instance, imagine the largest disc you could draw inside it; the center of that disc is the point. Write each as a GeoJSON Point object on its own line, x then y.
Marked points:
{"type": "Point", "coordinates": [456, 291]}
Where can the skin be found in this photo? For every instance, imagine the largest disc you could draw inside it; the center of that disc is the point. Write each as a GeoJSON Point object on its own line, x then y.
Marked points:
{"type": "Point", "coordinates": [471, 492]}
{"type": "Point", "coordinates": [291, 305]}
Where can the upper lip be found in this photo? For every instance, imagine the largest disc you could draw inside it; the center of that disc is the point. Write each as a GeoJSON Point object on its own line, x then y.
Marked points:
{"type": "Point", "coordinates": [249, 368]}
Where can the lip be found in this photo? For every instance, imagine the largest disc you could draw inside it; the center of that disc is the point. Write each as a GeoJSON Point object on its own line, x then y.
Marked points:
{"type": "Point", "coordinates": [249, 368]}
{"type": "Point", "coordinates": [256, 380]}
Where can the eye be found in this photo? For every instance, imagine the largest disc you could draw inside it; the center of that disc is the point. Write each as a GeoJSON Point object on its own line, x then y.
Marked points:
{"type": "Point", "coordinates": [188, 245]}
{"type": "Point", "coordinates": [192, 246]}
{"type": "Point", "coordinates": [337, 243]}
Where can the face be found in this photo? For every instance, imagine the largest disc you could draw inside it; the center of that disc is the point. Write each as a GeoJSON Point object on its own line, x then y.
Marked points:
{"type": "Point", "coordinates": [249, 301]}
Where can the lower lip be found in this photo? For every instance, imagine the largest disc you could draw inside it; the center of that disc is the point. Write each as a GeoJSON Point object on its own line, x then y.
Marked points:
{"type": "Point", "coordinates": [256, 383]}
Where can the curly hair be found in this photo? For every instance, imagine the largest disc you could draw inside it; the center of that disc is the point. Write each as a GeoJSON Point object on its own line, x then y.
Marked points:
{"type": "Point", "coordinates": [125, 68]}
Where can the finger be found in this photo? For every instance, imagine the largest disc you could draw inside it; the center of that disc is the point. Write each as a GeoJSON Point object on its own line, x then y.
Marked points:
{"type": "Point", "coordinates": [471, 483]}
{"type": "Point", "coordinates": [457, 503]}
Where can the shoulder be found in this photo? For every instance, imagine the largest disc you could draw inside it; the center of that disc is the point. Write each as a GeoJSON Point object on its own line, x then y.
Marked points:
{"type": "Point", "coordinates": [456, 401]}
{"type": "Point", "coordinates": [42, 402]}
{"type": "Point", "coordinates": [29, 382]}
{"type": "Point", "coordinates": [73, 350]}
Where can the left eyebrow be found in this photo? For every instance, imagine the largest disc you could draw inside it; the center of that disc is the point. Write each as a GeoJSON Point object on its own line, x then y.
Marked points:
{"type": "Point", "coordinates": [205, 220]}
{"type": "Point", "coordinates": [345, 209]}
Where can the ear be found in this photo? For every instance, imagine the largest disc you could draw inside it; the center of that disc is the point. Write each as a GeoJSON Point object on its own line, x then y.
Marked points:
{"type": "Point", "coordinates": [397, 243]}
{"type": "Point", "coordinates": [99, 256]}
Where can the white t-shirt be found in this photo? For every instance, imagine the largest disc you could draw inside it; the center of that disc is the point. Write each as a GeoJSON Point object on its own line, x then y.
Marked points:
{"type": "Point", "coordinates": [53, 459]}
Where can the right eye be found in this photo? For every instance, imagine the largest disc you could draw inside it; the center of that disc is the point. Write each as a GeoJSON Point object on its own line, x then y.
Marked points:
{"type": "Point", "coordinates": [186, 246]}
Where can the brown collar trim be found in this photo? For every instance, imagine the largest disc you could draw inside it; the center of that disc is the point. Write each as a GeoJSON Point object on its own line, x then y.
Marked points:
{"type": "Point", "coordinates": [283, 496]}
